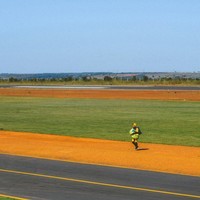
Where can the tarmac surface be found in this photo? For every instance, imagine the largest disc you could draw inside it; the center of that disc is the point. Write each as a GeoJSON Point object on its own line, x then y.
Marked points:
{"type": "Point", "coordinates": [137, 87]}
{"type": "Point", "coordinates": [37, 179]}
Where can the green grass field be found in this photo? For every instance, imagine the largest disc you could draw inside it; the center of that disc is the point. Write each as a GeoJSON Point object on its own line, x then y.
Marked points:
{"type": "Point", "coordinates": [6, 198]}
{"type": "Point", "coordinates": [167, 122]}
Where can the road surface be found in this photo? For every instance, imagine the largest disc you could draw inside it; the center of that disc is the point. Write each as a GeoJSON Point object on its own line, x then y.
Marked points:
{"type": "Point", "coordinates": [38, 179]}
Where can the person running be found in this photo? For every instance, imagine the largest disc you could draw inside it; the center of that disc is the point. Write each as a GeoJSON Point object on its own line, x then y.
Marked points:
{"type": "Point", "coordinates": [135, 132]}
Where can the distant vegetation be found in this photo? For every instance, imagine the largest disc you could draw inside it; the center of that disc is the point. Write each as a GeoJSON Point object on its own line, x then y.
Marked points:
{"type": "Point", "coordinates": [103, 78]}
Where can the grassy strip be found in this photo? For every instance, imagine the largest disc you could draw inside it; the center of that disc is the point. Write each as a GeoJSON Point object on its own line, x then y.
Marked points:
{"type": "Point", "coordinates": [6, 198]}
{"type": "Point", "coordinates": [167, 122]}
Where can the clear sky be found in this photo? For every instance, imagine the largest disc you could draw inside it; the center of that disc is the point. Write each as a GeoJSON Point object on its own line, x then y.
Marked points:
{"type": "Point", "coordinates": [44, 36]}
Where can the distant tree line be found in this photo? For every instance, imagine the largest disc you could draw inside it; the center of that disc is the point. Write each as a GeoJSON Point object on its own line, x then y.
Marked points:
{"type": "Point", "coordinates": [104, 80]}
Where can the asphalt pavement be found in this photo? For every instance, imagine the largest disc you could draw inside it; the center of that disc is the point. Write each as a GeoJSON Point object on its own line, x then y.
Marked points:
{"type": "Point", "coordinates": [37, 179]}
{"type": "Point", "coordinates": [112, 87]}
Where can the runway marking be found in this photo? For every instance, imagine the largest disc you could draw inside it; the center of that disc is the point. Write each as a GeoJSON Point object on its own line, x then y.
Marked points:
{"type": "Point", "coordinates": [100, 183]}
{"type": "Point", "coordinates": [98, 164]}
{"type": "Point", "coordinates": [12, 197]}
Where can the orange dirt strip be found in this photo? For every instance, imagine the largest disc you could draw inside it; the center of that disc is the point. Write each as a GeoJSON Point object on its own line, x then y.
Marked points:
{"type": "Point", "coordinates": [164, 158]}
{"type": "Point", "coordinates": [173, 159]}
{"type": "Point", "coordinates": [103, 94]}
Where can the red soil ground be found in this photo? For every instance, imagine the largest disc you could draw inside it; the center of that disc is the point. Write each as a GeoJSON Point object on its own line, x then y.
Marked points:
{"type": "Point", "coordinates": [107, 94]}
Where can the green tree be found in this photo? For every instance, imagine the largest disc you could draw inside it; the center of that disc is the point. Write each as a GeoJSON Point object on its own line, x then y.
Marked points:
{"type": "Point", "coordinates": [107, 78]}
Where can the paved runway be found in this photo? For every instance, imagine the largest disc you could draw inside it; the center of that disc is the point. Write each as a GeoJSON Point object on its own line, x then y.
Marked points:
{"type": "Point", "coordinates": [185, 88]}
{"type": "Point", "coordinates": [137, 87]}
{"type": "Point", "coordinates": [38, 179]}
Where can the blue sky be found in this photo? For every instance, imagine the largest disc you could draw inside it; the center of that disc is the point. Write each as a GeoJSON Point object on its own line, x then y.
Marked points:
{"type": "Point", "coordinates": [41, 36]}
